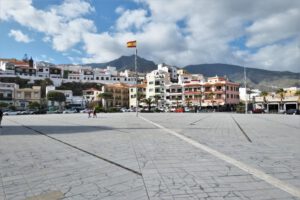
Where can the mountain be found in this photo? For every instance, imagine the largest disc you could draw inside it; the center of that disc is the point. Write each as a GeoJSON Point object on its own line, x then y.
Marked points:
{"type": "Point", "coordinates": [127, 62]}
{"type": "Point", "coordinates": [256, 78]}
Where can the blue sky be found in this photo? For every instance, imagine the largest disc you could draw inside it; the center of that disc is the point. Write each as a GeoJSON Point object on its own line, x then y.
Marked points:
{"type": "Point", "coordinates": [250, 33]}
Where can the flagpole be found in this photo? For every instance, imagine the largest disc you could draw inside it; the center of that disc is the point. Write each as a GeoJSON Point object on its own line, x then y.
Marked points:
{"type": "Point", "coordinates": [136, 76]}
{"type": "Point", "coordinates": [245, 82]}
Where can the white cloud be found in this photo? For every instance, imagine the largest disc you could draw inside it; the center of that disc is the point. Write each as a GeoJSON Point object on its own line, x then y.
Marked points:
{"type": "Point", "coordinates": [62, 25]}
{"type": "Point", "coordinates": [131, 19]}
{"type": "Point", "coordinates": [19, 36]}
{"type": "Point", "coordinates": [274, 28]}
{"type": "Point", "coordinates": [181, 33]}
{"type": "Point", "coordinates": [73, 8]}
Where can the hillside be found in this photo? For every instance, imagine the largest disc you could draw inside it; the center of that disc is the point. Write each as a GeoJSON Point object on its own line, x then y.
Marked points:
{"type": "Point", "coordinates": [127, 62]}
{"type": "Point", "coordinates": [256, 78]}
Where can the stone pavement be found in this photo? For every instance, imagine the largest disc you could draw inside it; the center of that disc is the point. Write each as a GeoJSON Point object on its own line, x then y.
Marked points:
{"type": "Point", "coordinates": [118, 156]}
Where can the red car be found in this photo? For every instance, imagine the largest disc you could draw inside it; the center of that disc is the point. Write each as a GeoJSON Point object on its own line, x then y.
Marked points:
{"type": "Point", "coordinates": [258, 111]}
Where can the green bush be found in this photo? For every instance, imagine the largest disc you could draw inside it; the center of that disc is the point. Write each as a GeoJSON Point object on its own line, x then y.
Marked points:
{"type": "Point", "coordinates": [113, 110]}
{"type": "Point", "coordinates": [99, 109]}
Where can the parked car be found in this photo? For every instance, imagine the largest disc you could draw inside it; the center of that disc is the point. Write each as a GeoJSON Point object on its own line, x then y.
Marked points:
{"type": "Point", "coordinates": [41, 111]}
{"type": "Point", "coordinates": [12, 112]}
{"type": "Point", "coordinates": [293, 112]}
{"type": "Point", "coordinates": [258, 111]}
{"type": "Point", "coordinates": [69, 111]}
{"type": "Point", "coordinates": [85, 111]}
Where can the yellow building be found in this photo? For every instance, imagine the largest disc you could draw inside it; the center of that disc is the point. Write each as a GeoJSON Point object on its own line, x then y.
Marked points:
{"type": "Point", "coordinates": [119, 95]}
{"type": "Point", "coordinates": [25, 95]}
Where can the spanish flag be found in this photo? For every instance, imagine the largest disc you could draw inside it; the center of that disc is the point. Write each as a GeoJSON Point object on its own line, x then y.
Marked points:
{"type": "Point", "coordinates": [131, 44]}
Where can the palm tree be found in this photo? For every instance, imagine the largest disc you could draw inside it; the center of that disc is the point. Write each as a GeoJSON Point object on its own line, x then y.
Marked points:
{"type": "Point", "coordinates": [105, 96]}
{"type": "Point", "coordinates": [264, 94]}
{"type": "Point", "coordinates": [188, 101]}
{"type": "Point", "coordinates": [177, 101]}
{"type": "Point", "coordinates": [281, 93]}
{"type": "Point", "coordinates": [297, 93]}
{"type": "Point", "coordinates": [148, 101]}
{"type": "Point", "coordinates": [140, 97]}
{"type": "Point", "coordinates": [211, 97]}
{"type": "Point", "coordinates": [156, 98]}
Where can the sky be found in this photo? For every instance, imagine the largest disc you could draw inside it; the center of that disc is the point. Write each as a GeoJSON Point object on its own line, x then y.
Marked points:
{"type": "Point", "coordinates": [252, 33]}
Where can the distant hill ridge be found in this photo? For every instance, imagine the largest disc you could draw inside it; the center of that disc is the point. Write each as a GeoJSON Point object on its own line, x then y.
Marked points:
{"type": "Point", "coordinates": [256, 78]}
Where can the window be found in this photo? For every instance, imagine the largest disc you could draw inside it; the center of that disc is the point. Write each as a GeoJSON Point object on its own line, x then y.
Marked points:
{"type": "Point", "coordinates": [97, 78]}
{"type": "Point", "coordinates": [231, 96]}
{"type": "Point", "coordinates": [107, 78]}
{"type": "Point", "coordinates": [227, 95]}
{"type": "Point", "coordinates": [150, 82]}
{"type": "Point", "coordinates": [102, 78]}
{"type": "Point", "coordinates": [157, 90]}
{"type": "Point", "coordinates": [131, 89]}
{"type": "Point", "coordinates": [151, 90]}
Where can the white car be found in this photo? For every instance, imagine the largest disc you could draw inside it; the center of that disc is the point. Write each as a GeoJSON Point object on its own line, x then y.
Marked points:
{"type": "Point", "coordinates": [85, 111]}
{"type": "Point", "coordinates": [12, 113]}
{"type": "Point", "coordinates": [69, 111]}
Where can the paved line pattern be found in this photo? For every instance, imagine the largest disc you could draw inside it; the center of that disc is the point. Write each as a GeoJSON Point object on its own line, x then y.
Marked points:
{"type": "Point", "coordinates": [82, 150]}
{"type": "Point", "coordinates": [246, 136]}
{"type": "Point", "coordinates": [251, 170]}
{"type": "Point", "coordinates": [193, 123]}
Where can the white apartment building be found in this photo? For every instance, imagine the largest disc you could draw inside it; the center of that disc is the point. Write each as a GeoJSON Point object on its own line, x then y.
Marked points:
{"type": "Point", "coordinates": [7, 92]}
{"type": "Point", "coordinates": [68, 93]}
{"type": "Point", "coordinates": [174, 95]}
{"type": "Point", "coordinates": [170, 69]}
{"type": "Point", "coordinates": [141, 88]}
{"type": "Point", "coordinates": [156, 81]}
{"type": "Point", "coordinates": [187, 78]}
{"type": "Point", "coordinates": [251, 94]}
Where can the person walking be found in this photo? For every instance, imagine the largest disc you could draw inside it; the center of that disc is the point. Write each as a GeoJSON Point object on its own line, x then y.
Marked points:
{"type": "Point", "coordinates": [90, 112]}
{"type": "Point", "coordinates": [1, 115]}
{"type": "Point", "coordinates": [94, 113]}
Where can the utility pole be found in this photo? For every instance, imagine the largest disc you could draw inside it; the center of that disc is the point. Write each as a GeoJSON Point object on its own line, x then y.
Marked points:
{"type": "Point", "coordinates": [245, 83]}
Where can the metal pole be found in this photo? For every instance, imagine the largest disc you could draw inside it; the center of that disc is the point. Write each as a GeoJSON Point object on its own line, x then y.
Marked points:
{"type": "Point", "coordinates": [245, 82]}
{"type": "Point", "coordinates": [136, 86]}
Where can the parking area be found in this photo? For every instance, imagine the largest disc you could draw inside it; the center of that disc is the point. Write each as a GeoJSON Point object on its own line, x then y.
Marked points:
{"type": "Point", "coordinates": [154, 156]}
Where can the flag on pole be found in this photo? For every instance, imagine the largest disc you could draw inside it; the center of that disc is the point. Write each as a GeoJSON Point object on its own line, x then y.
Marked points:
{"type": "Point", "coordinates": [131, 44]}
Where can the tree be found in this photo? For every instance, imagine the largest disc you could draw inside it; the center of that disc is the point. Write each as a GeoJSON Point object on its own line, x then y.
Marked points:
{"type": "Point", "coordinates": [297, 93]}
{"type": "Point", "coordinates": [148, 101]}
{"type": "Point", "coordinates": [140, 97]}
{"type": "Point", "coordinates": [105, 96]}
{"type": "Point", "coordinates": [177, 101]}
{"type": "Point", "coordinates": [43, 83]}
{"type": "Point", "coordinates": [281, 94]}
{"type": "Point", "coordinates": [56, 96]}
{"type": "Point", "coordinates": [211, 97]}
{"type": "Point", "coordinates": [3, 105]}
{"type": "Point", "coordinates": [200, 99]}
{"type": "Point", "coordinates": [188, 102]}
{"type": "Point", "coordinates": [34, 105]}
{"type": "Point", "coordinates": [264, 94]}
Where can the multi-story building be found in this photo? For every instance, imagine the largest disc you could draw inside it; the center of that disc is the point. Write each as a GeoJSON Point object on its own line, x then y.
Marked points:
{"type": "Point", "coordinates": [156, 81]}
{"type": "Point", "coordinates": [141, 88]}
{"type": "Point", "coordinates": [215, 92]}
{"type": "Point", "coordinates": [25, 95]}
{"type": "Point", "coordinates": [174, 95]}
{"type": "Point", "coordinates": [7, 92]}
{"type": "Point", "coordinates": [91, 95]}
{"type": "Point", "coordinates": [68, 93]}
{"type": "Point", "coordinates": [171, 70]}
{"type": "Point", "coordinates": [119, 95]}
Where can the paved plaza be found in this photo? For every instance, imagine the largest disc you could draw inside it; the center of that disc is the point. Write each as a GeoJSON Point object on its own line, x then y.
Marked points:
{"type": "Point", "coordinates": [170, 156]}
